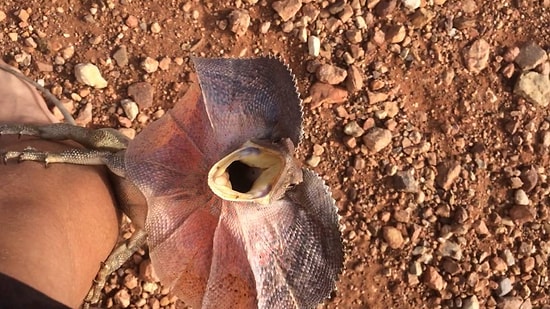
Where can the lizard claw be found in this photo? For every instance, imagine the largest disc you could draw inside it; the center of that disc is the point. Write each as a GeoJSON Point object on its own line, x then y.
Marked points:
{"type": "Point", "coordinates": [31, 154]}
{"type": "Point", "coordinates": [8, 155]}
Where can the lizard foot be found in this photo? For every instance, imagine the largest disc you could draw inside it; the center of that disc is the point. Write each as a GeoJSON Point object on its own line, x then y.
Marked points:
{"type": "Point", "coordinates": [113, 262]}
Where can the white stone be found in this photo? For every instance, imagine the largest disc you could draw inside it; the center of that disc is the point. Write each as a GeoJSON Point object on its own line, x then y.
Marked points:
{"type": "Point", "coordinates": [88, 74]}
{"type": "Point", "coordinates": [471, 303]}
{"type": "Point", "coordinates": [130, 108]}
{"type": "Point", "coordinates": [150, 65]}
{"type": "Point", "coordinates": [411, 4]}
{"type": "Point", "coordinates": [534, 87]}
{"type": "Point", "coordinates": [314, 45]}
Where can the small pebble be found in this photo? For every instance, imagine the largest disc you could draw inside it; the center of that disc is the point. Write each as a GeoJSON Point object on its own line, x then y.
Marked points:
{"type": "Point", "coordinates": [130, 108]}
{"type": "Point", "coordinates": [476, 56]}
{"type": "Point", "coordinates": [354, 80]}
{"type": "Point", "coordinates": [67, 52]}
{"type": "Point", "coordinates": [150, 65]}
{"type": "Point", "coordinates": [122, 298]}
{"type": "Point", "coordinates": [264, 27]}
{"type": "Point", "coordinates": [331, 74]}
{"type": "Point", "coordinates": [155, 27]}
{"type": "Point", "coordinates": [521, 198]}
{"type": "Point", "coordinates": [433, 279]}
{"type": "Point", "coordinates": [530, 55]}
{"type": "Point", "coordinates": [471, 303]}
{"type": "Point", "coordinates": [131, 21]}
{"type": "Point", "coordinates": [447, 173]}
{"type": "Point", "coordinates": [313, 161]}
{"type": "Point", "coordinates": [130, 281]}
{"type": "Point", "coordinates": [23, 15]}
{"type": "Point", "coordinates": [314, 45]}
{"type": "Point", "coordinates": [128, 132]}
{"type": "Point", "coordinates": [405, 181]}
{"type": "Point", "coordinates": [322, 93]}
{"type": "Point", "coordinates": [149, 287]}
{"type": "Point", "coordinates": [411, 4]}
{"type": "Point", "coordinates": [393, 237]}
{"type": "Point", "coordinates": [121, 56]}
{"type": "Point", "coordinates": [415, 268]}
{"type": "Point", "coordinates": [239, 21]}
{"type": "Point", "coordinates": [353, 129]}
{"type": "Point", "coordinates": [504, 287]}
{"type": "Point", "coordinates": [164, 63]}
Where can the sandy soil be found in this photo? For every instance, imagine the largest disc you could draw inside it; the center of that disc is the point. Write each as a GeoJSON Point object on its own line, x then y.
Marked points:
{"type": "Point", "coordinates": [448, 208]}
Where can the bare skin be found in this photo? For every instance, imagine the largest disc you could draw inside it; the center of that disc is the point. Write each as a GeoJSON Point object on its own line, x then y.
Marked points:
{"type": "Point", "coordinates": [57, 224]}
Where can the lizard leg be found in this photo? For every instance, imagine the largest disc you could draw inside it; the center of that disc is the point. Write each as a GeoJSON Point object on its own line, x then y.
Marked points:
{"type": "Point", "coordinates": [114, 161]}
{"type": "Point", "coordinates": [101, 139]}
{"type": "Point", "coordinates": [115, 260]}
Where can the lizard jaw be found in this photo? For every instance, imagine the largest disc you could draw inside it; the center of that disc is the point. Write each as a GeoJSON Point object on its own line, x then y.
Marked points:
{"type": "Point", "coordinates": [255, 173]}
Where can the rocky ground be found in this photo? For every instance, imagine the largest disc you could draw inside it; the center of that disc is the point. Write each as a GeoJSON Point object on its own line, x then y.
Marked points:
{"type": "Point", "coordinates": [427, 118]}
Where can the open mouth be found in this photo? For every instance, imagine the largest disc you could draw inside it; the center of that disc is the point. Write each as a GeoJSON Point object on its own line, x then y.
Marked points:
{"type": "Point", "coordinates": [252, 173]}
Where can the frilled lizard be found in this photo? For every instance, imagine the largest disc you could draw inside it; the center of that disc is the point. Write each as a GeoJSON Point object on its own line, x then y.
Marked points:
{"type": "Point", "coordinates": [230, 217]}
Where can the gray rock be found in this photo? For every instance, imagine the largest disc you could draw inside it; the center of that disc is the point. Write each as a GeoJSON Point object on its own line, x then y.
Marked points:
{"type": "Point", "coordinates": [377, 139]}
{"type": "Point", "coordinates": [331, 74]}
{"type": "Point", "coordinates": [142, 93]}
{"type": "Point", "coordinates": [529, 177]}
{"type": "Point", "coordinates": [476, 56]}
{"type": "Point", "coordinates": [405, 181]}
{"type": "Point", "coordinates": [534, 87]}
{"type": "Point", "coordinates": [450, 249]}
{"type": "Point", "coordinates": [530, 55]}
{"type": "Point", "coordinates": [239, 21]}
{"type": "Point", "coordinates": [353, 129]}
{"type": "Point", "coordinates": [121, 56]}
{"type": "Point", "coordinates": [287, 8]}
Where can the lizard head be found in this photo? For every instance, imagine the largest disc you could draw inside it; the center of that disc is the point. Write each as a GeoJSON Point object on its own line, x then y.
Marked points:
{"type": "Point", "coordinates": [256, 172]}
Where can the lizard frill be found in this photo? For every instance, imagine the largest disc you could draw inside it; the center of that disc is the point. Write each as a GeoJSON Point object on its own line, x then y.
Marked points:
{"type": "Point", "coordinates": [274, 243]}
